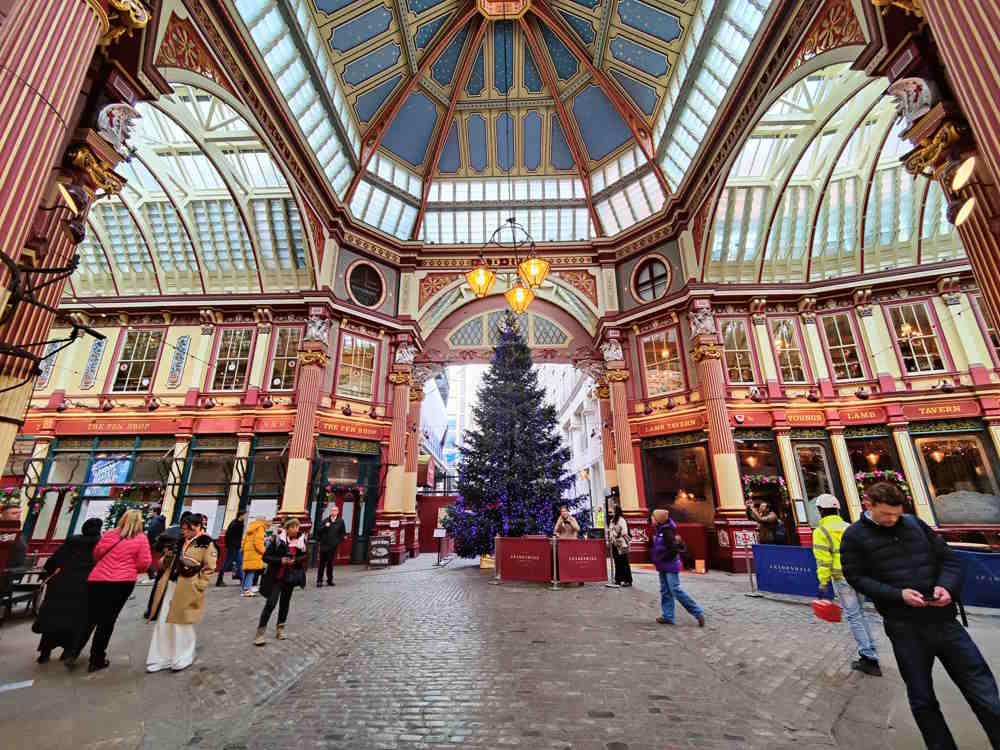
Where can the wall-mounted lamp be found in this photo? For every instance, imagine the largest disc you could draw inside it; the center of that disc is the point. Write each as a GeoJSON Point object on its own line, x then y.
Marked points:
{"type": "Point", "coordinates": [671, 404]}
{"type": "Point", "coordinates": [648, 410]}
{"type": "Point", "coordinates": [963, 173]}
{"type": "Point", "coordinates": [346, 411]}
{"type": "Point", "coordinates": [208, 403]}
{"type": "Point", "coordinates": [959, 210]}
{"type": "Point", "coordinates": [153, 403]}
{"type": "Point", "coordinates": [813, 395]}
{"type": "Point", "coordinates": [373, 413]}
{"type": "Point", "coordinates": [107, 406]}
{"type": "Point", "coordinates": [945, 386]}
{"type": "Point", "coordinates": [266, 402]}
{"type": "Point", "coordinates": [755, 395]}
{"type": "Point", "coordinates": [862, 393]}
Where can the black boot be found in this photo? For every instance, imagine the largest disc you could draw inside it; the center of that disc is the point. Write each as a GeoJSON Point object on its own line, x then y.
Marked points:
{"type": "Point", "coordinates": [43, 655]}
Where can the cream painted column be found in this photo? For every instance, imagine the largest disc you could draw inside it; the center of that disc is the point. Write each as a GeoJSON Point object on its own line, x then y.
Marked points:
{"type": "Point", "coordinates": [33, 472]}
{"type": "Point", "coordinates": [175, 476]}
{"type": "Point", "coordinates": [412, 446]}
{"type": "Point", "coordinates": [401, 379]}
{"type": "Point", "coordinates": [603, 395]}
{"type": "Point", "coordinates": [816, 355]}
{"type": "Point", "coordinates": [843, 458]}
{"type": "Point", "coordinates": [236, 481]}
{"type": "Point", "coordinates": [765, 355]}
{"type": "Point", "coordinates": [614, 361]}
{"type": "Point", "coordinates": [947, 307]}
{"type": "Point", "coordinates": [970, 333]}
{"type": "Point", "coordinates": [201, 355]}
{"type": "Point", "coordinates": [879, 345]}
{"type": "Point", "coordinates": [789, 464]}
{"type": "Point", "coordinates": [911, 470]}
{"type": "Point", "coordinates": [262, 348]}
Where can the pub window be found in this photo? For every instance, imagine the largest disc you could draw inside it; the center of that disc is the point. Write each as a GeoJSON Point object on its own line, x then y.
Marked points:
{"type": "Point", "coordinates": [210, 475]}
{"type": "Point", "coordinates": [137, 361]}
{"type": "Point", "coordinates": [267, 473]}
{"type": "Point", "coordinates": [232, 359]}
{"type": "Point", "coordinates": [788, 351]}
{"type": "Point", "coordinates": [662, 357]}
{"type": "Point", "coordinates": [842, 346]}
{"type": "Point", "coordinates": [960, 478]}
{"type": "Point", "coordinates": [739, 354]}
{"type": "Point", "coordinates": [992, 335]}
{"type": "Point", "coordinates": [357, 367]}
{"type": "Point", "coordinates": [283, 366]}
{"type": "Point", "coordinates": [916, 338]}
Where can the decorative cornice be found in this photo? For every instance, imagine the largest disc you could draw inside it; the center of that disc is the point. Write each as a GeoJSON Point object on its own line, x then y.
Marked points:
{"type": "Point", "coordinates": [97, 172]}
{"type": "Point", "coordinates": [909, 6]}
{"type": "Point", "coordinates": [400, 378]}
{"type": "Point", "coordinates": [312, 357]}
{"type": "Point", "coordinates": [702, 352]}
{"type": "Point", "coordinates": [126, 17]}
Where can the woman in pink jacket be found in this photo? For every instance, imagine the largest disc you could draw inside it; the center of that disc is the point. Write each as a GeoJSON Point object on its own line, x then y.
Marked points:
{"type": "Point", "coordinates": [121, 555]}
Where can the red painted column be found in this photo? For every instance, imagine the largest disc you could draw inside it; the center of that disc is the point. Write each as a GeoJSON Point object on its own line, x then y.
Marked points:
{"type": "Point", "coordinates": [313, 360]}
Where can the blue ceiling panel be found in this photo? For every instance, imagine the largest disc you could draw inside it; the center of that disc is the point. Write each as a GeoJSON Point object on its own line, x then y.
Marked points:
{"type": "Point", "coordinates": [601, 126]}
{"type": "Point", "coordinates": [532, 140]}
{"type": "Point", "coordinates": [419, 6]}
{"type": "Point", "coordinates": [359, 30]}
{"type": "Point", "coordinates": [444, 67]}
{"type": "Point", "coordinates": [639, 57]}
{"type": "Point", "coordinates": [371, 101]}
{"type": "Point", "coordinates": [583, 28]}
{"type": "Point", "coordinates": [450, 159]}
{"type": "Point", "coordinates": [588, 3]}
{"type": "Point", "coordinates": [644, 96]}
{"type": "Point", "coordinates": [562, 157]}
{"type": "Point", "coordinates": [503, 55]}
{"type": "Point", "coordinates": [650, 20]}
{"type": "Point", "coordinates": [505, 142]}
{"type": "Point", "coordinates": [332, 6]}
{"type": "Point", "coordinates": [477, 142]}
{"type": "Point", "coordinates": [532, 80]}
{"type": "Point", "coordinates": [372, 64]}
{"type": "Point", "coordinates": [477, 76]}
{"type": "Point", "coordinates": [563, 60]}
{"type": "Point", "coordinates": [428, 31]}
{"type": "Point", "coordinates": [410, 132]}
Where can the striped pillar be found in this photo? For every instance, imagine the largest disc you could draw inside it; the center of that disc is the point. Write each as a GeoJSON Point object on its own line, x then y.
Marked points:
{"type": "Point", "coordinates": [313, 360]}
{"type": "Point", "coordinates": [982, 244]}
{"type": "Point", "coordinates": [912, 473]}
{"type": "Point", "coordinates": [707, 355]}
{"type": "Point", "coordinates": [175, 477]}
{"type": "Point", "coordinates": [843, 458]}
{"type": "Point", "coordinates": [401, 378]}
{"type": "Point", "coordinates": [966, 38]}
{"type": "Point", "coordinates": [628, 488]}
{"type": "Point", "coordinates": [45, 49]}
{"type": "Point", "coordinates": [412, 449]}
{"type": "Point", "coordinates": [603, 395]}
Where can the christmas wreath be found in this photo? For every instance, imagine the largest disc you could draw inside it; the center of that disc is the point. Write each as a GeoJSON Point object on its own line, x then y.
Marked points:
{"type": "Point", "coordinates": [866, 479]}
{"type": "Point", "coordinates": [144, 497]}
{"type": "Point", "coordinates": [762, 482]}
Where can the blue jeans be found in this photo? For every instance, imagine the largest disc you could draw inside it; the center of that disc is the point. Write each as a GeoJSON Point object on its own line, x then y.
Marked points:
{"type": "Point", "coordinates": [855, 614]}
{"type": "Point", "coordinates": [232, 560]}
{"type": "Point", "coordinates": [670, 587]}
{"type": "Point", "coordinates": [250, 577]}
{"type": "Point", "coordinates": [916, 645]}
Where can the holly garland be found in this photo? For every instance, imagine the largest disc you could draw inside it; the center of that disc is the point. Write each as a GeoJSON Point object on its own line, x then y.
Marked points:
{"type": "Point", "coordinates": [144, 497]}
{"type": "Point", "coordinates": [866, 479]}
{"type": "Point", "coordinates": [760, 481]}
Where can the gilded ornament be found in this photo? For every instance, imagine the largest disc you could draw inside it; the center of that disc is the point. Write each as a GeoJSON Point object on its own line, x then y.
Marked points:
{"type": "Point", "coordinates": [416, 395]}
{"type": "Point", "coordinates": [932, 151]}
{"type": "Point", "coordinates": [909, 6]}
{"type": "Point", "coordinates": [309, 357]}
{"type": "Point", "coordinates": [602, 392]}
{"type": "Point", "coordinates": [127, 16]}
{"type": "Point", "coordinates": [706, 351]}
{"type": "Point", "coordinates": [400, 378]}
{"type": "Point", "coordinates": [99, 174]}
{"type": "Point", "coordinates": [617, 376]}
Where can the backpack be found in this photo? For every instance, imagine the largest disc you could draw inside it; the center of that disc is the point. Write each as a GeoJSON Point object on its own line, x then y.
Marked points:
{"type": "Point", "coordinates": [663, 552]}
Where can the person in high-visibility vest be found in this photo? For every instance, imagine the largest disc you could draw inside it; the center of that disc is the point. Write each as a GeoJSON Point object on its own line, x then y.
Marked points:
{"type": "Point", "coordinates": [826, 550]}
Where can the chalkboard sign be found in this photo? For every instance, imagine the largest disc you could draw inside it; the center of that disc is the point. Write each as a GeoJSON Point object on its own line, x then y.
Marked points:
{"type": "Point", "coordinates": [378, 551]}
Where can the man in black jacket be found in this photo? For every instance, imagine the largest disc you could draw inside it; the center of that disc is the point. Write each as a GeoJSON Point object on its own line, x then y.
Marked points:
{"type": "Point", "coordinates": [234, 542]}
{"type": "Point", "coordinates": [329, 535]}
{"type": "Point", "coordinates": [912, 575]}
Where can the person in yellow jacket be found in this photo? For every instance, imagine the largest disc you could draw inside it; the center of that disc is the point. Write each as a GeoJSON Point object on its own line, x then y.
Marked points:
{"type": "Point", "coordinates": [254, 544]}
{"type": "Point", "coordinates": [826, 550]}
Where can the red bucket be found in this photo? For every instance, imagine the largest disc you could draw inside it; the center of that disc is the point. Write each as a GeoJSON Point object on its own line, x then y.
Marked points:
{"type": "Point", "coordinates": [827, 610]}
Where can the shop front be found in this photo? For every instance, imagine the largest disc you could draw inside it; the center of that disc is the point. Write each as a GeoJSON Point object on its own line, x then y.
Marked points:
{"type": "Point", "coordinates": [677, 471]}
{"type": "Point", "coordinates": [761, 475]}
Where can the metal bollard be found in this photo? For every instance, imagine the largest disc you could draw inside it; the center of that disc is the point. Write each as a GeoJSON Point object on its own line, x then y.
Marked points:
{"type": "Point", "coordinates": [496, 561]}
{"type": "Point", "coordinates": [555, 564]}
{"type": "Point", "coordinates": [749, 558]}
{"type": "Point", "coordinates": [611, 564]}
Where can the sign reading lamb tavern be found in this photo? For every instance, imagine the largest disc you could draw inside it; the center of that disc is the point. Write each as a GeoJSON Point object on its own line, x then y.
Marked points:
{"type": "Point", "coordinates": [942, 410]}
{"type": "Point", "coordinates": [342, 427]}
{"type": "Point", "coordinates": [667, 425]}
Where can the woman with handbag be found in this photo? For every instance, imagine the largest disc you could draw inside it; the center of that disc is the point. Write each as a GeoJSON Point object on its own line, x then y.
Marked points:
{"type": "Point", "coordinates": [121, 555]}
{"type": "Point", "coordinates": [63, 614]}
{"type": "Point", "coordinates": [286, 569]}
{"type": "Point", "coordinates": [620, 543]}
{"type": "Point", "coordinates": [179, 598]}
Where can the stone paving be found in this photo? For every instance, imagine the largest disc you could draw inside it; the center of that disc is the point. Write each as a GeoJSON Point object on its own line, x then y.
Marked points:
{"type": "Point", "coordinates": [421, 657]}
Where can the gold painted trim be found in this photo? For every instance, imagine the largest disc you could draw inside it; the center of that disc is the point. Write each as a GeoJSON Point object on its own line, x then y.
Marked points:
{"type": "Point", "coordinates": [102, 17]}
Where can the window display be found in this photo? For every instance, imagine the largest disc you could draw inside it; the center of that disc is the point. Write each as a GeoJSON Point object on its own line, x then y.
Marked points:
{"type": "Point", "coordinates": [680, 478]}
{"type": "Point", "coordinates": [960, 479]}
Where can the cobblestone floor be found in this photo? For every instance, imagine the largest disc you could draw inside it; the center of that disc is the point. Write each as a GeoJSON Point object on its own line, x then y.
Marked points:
{"type": "Point", "coordinates": [420, 657]}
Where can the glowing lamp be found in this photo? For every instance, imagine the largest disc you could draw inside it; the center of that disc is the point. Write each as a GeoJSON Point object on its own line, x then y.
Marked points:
{"type": "Point", "coordinates": [519, 297]}
{"type": "Point", "coordinates": [959, 211]}
{"type": "Point", "coordinates": [872, 459]}
{"type": "Point", "coordinates": [963, 174]}
{"type": "Point", "coordinates": [481, 279]}
{"type": "Point", "coordinates": [533, 271]}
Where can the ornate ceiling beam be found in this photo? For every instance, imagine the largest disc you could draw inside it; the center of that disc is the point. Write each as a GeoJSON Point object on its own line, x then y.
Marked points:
{"type": "Point", "coordinates": [442, 136]}
{"type": "Point", "coordinates": [633, 119]}
{"type": "Point", "coordinates": [373, 138]}
{"type": "Point", "coordinates": [96, 239]}
{"type": "Point", "coordinates": [542, 62]}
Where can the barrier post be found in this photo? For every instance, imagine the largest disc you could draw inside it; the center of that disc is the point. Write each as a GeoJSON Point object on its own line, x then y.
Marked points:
{"type": "Point", "coordinates": [611, 563]}
{"type": "Point", "coordinates": [749, 558]}
{"type": "Point", "coordinates": [496, 557]}
{"type": "Point", "coordinates": [555, 564]}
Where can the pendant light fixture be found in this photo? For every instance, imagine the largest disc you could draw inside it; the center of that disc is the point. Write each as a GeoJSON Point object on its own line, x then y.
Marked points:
{"type": "Point", "coordinates": [481, 278]}
{"type": "Point", "coordinates": [534, 269]}
{"type": "Point", "coordinates": [519, 297]}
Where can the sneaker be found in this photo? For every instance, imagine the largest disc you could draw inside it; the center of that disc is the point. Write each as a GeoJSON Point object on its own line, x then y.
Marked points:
{"type": "Point", "coordinates": [868, 666]}
{"type": "Point", "coordinates": [701, 621]}
{"type": "Point", "coordinates": [254, 589]}
{"type": "Point", "coordinates": [664, 621]}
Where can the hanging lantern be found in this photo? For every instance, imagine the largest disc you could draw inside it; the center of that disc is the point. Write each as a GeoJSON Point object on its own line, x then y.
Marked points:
{"type": "Point", "coordinates": [534, 270]}
{"type": "Point", "coordinates": [481, 279]}
{"type": "Point", "coordinates": [519, 297]}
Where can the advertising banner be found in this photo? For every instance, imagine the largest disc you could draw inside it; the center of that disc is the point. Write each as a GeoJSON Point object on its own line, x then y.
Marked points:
{"type": "Point", "coordinates": [782, 569]}
{"type": "Point", "coordinates": [581, 560]}
{"type": "Point", "coordinates": [525, 558]}
{"type": "Point", "coordinates": [378, 551]}
{"type": "Point", "coordinates": [981, 586]}
{"type": "Point", "coordinates": [105, 471]}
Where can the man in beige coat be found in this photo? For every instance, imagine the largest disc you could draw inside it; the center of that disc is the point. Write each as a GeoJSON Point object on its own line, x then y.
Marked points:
{"type": "Point", "coordinates": [566, 525]}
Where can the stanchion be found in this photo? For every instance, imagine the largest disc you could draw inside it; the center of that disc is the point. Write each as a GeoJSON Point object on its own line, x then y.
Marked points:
{"type": "Point", "coordinates": [611, 584]}
{"type": "Point", "coordinates": [555, 564]}
{"type": "Point", "coordinates": [749, 560]}
{"type": "Point", "coordinates": [496, 564]}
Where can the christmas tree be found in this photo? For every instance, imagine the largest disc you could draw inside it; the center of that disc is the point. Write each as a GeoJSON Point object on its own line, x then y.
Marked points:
{"type": "Point", "coordinates": [512, 472]}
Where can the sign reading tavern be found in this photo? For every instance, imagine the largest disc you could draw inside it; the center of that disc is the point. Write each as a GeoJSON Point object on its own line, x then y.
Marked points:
{"type": "Point", "coordinates": [942, 410]}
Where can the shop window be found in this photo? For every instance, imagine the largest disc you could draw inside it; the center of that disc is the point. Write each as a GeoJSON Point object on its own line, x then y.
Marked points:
{"type": "Point", "coordinates": [680, 478]}
{"type": "Point", "coordinates": [210, 475]}
{"type": "Point", "coordinates": [739, 352]}
{"type": "Point", "coordinates": [916, 338]}
{"type": "Point", "coordinates": [842, 347]}
{"type": "Point", "coordinates": [992, 335]}
{"type": "Point", "coordinates": [357, 367]}
{"type": "Point", "coordinates": [152, 461]}
{"type": "Point", "coordinates": [788, 351]}
{"type": "Point", "coordinates": [662, 357]}
{"type": "Point", "coordinates": [285, 362]}
{"type": "Point", "coordinates": [872, 454]}
{"type": "Point", "coordinates": [137, 361]}
{"type": "Point", "coordinates": [267, 471]}
{"type": "Point", "coordinates": [757, 457]}
{"type": "Point", "coordinates": [960, 478]}
{"type": "Point", "coordinates": [232, 359]}
{"type": "Point", "coordinates": [652, 280]}
{"type": "Point", "coordinates": [817, 479]}
{"type": "Point", "coordinates": [366, 285]}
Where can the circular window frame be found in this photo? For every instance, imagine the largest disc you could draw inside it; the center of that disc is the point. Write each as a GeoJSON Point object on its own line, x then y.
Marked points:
{"type": "Point", "coordinates": [635, 273]}
{"type": "Point", "coordinates": [350, 292]}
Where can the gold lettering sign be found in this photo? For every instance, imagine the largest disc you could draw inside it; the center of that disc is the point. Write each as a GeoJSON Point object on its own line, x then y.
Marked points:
{"type": "Point", "coordinates": [806, 417]}
{"type": "Point", "coordinates": [338, 427]}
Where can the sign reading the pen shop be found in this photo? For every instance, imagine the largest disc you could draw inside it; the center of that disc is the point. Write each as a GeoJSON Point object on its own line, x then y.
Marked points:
{"type": "Point", "coordinates": [343, 427]}
{"type": "Point", "coordinates": [942, 409]}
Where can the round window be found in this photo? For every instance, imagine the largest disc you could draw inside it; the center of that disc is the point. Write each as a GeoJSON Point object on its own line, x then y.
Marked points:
{"type": "Point", "coordinates": [366, 285]}
{"type": "Point", "coordinates": [652, 280]}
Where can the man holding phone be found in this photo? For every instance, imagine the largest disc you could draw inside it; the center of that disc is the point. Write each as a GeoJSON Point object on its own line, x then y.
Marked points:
{"type": "Point", "coordinates": [913, 576]}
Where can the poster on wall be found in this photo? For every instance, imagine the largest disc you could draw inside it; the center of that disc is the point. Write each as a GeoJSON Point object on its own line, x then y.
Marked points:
{"type": "Point", "coordinates": [266, 508]}
{"type": "Point", "coordinates": [210, 509]}
{"type": "Point", "coordinates": [105, 472]}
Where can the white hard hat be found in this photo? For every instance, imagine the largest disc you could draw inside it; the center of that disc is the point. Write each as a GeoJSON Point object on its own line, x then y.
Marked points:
{"type": "Point", "coordinates": [827, 502]}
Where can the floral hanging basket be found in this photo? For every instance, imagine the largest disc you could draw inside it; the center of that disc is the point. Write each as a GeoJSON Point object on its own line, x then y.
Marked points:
{"type": "Point", "coordinates": [758, 482]}
{"type": "Point", "coordinates": [866, 479]}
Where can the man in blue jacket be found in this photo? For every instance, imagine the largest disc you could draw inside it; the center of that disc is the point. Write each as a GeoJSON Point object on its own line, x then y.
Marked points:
{"type": "Point", "coordinates": [666, 554]}
{"type": "Point", "coordinates": [913, 577]}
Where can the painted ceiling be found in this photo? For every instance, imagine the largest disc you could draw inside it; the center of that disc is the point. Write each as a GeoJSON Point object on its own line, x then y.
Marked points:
{"type": "Point", "coordinates": [476, 64]}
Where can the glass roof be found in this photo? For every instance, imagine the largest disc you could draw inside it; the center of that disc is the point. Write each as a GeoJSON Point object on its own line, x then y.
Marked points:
{"type": "Point", "coordinates": [205, 209]}
{"type": "Point", "coordinates": [818, 191]}
{"type": "Point", "coordinates": [457, 100]}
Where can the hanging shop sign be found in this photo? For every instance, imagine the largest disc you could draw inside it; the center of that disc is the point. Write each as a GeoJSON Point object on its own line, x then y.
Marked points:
{"type": "Point", "coordinates": [805, 418]}
{"type": "Point", "coordinates": [89, 376]}
{"type": "Point", "coordinates": [864, 415]}
{"type": "Point", "coordinates": [942, 409]}
{"type": "Point", "coordinates": [343, 427]}
{"type": "Point", "coordinates": [667, 425]}
{"type": "Point", "coordinates": [750, 419]}
{"type": "Point", "coordinates": [177, 361]}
